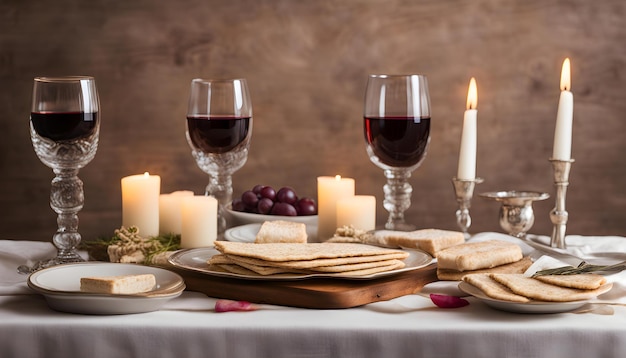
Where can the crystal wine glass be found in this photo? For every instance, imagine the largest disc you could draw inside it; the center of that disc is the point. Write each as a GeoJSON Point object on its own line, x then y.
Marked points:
{"type": "Point", "coordinates": [219, 127]}
{"type": "Point", "coordinates": [397, 133]}
{"type": "Point", "coordinates": [64, 129]}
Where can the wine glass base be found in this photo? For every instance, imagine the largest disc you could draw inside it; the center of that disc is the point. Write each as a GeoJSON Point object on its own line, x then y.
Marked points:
{"type": "Point", "coordinates": [59, 260]}
{"type": "Point", "coordinates": [400, 226]}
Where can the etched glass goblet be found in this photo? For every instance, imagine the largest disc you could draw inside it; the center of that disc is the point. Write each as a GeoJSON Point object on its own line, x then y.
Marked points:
{"type": "Point", "coordinates": [397, 134]}
{"type": "Point", "coordinates": [219, 127]}
{"type": "Point", "coordinates": [64, 129]}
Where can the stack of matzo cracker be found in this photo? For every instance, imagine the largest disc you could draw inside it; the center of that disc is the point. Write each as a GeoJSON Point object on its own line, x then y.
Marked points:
{"type": "Point", "coordinates": [480, 257]}
{"type": "Point", "coordinates": [429, 240]}
{"type": "Point", "coordinates": [522, 289]}
{"type": "Point", "coordinates": [335, 259]}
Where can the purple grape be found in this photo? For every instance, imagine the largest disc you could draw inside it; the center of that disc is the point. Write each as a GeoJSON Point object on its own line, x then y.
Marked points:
{"type": "Point", "coordinates": [264, 206]}
{"type": "Point", "coordinates": [286, 195]}
{"type": "Point", "coordinates": [268, 192]}
{"type": "Point", "coordinates": [238, 205]}
{"type": "Point", "coordinates": [249, 199]}
{"type": "Point", "coordinates": [306, 206]}
{"type": "Point", "coordinates": [257, 189]}
{"type": "Point", "coordinates": [284, 209]}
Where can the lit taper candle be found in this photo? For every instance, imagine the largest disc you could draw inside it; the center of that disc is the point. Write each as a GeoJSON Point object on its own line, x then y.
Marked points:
{"type": "Point", "coordinates": [467, 155]}
{"type": "Point", "coordinates": [563, 132]}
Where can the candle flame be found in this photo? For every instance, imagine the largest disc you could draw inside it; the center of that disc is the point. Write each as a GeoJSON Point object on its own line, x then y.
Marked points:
{"type": "Point", "coordinates": [146, 174]}
{"type": "Point", "coordinates": [337, 177]}
{"type": "Point", "coordinates": [566, 76]}
{"type": "Point", "coordinates": [472, 95]}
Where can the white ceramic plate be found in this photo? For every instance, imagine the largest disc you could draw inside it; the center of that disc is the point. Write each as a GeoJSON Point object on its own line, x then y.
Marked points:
{"type": "Point", "coordinates": [247, 233]}
{"type": "Point", "coordinates": [196, 260]}
{"type": "Point", "coordinates": [60, 285]}
{"type": "Point", "coordinates": [528, 307]}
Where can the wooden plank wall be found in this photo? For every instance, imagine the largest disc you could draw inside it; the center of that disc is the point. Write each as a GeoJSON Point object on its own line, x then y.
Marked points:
{"type": "Point", "coordinates": [307, 64]}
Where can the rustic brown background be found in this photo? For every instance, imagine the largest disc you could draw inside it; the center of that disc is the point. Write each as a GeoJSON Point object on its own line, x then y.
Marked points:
{"type": "Point", "coordinates": [307, 63]}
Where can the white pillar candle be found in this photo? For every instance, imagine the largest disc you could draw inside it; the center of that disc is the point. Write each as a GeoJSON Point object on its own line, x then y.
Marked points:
{"type": "Point", "coordinates": [467, 154]}
{"type": "Point", "coordinates": [329, 190]}
{"type": "Point", "coordinates": [563, 132]}
{"type": "Point", "coordinates": [170, 211]}
{"type": "Point", "coordinates": [199, 221]}
{"type": "Point", "coordinates": [140, 203]}
{"type": "Point", "coordinates": [358, 211]}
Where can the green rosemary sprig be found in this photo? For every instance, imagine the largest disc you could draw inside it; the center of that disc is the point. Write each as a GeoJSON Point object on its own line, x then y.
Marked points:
{"type": "Point", "coordinates": [583, 267]}
{"type": "Point", "coordinates": [169, 242]}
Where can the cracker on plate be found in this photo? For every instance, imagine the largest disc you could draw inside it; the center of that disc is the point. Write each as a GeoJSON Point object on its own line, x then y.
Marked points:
{"type": "Point", "coordinates": [478, 255]}
{"type": "Point", "coordinates": [538, 290]}
{"type": "Point", "coordinates": [516, 267]}
{"type": "Point", "coordinates": [294, 252]}
{"type": "Point", "coordinates": [589, 281]}
{"type": "Point", "coordinates": [493, 288]}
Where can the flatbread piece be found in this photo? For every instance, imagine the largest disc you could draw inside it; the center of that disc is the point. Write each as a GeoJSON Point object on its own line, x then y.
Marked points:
{"type": "Point", "coordinates": [493, 288]}
{"type": "Point", "coordinates": [516, 267]}
{"type": "Point", "coordinates": [588, 281]}
{"type": "Point", "coordinates": [293, 252]}
{"type": "Point", "coordinates": [478, 255]}
{"type": "Point", "coordinates": [535, 289]}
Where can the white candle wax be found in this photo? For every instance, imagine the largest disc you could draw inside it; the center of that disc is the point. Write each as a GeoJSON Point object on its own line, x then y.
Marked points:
{"type": "Point", "coordinates": [199, 221]}
{"type": "Point", "coordinates": [467, 153]}
{"type": "Point", "coordinates": [170, 211]}
{"type": "Point", "coordinates": [358, 211]}
{"type": "Point", "coordinates": [329, 190]}
{"type": "Point", "coordinates": [563, 132]}
{"type": "Point", "coordinates": [140, 203]}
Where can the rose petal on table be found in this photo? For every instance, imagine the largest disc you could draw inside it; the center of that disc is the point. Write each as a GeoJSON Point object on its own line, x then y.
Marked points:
{"type": "Point", "coordinates": [233, 306]}
{"type": "Point", "coordinates": [445, 301]}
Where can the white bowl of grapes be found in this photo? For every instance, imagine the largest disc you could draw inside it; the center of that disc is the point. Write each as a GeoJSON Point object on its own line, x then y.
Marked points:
{"type": "Point", "coordinates": [264, 203]}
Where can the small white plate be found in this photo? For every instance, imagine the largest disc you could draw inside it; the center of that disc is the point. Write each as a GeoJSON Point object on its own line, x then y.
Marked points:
{"type": "Point", "coordinates": [247, 233]}
{"type": "Point", "coordinates": [60, 285]}
{"type": "Point", "coordinates": [528, 307]}
{"type": "Point", "coordinates": [196, 260]}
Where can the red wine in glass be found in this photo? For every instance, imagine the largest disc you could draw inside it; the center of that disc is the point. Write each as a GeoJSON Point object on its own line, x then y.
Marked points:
{"type": "Point", "coordinates": [217, 134]}
{"type": "Point", "coordinates": [64, 126]}
{"type": "Point", "coordinates": [396, 125]}
{"type": "Point", "coordinates": [398, 141]}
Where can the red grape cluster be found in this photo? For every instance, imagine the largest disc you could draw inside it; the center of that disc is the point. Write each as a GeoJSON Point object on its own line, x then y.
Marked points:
{"type": "Point", "coordinates": [265, 200]}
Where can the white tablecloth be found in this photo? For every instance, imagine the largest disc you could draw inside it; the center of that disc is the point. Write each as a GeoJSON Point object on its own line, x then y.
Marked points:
{"type": "Point", "coordinates": [409, 326]}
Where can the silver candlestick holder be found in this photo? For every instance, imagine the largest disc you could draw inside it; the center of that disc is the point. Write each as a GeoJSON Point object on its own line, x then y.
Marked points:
{"type": "Point", "coordinates": [464, 190]}
{"type": "Point", "coordinates": [559, 215]}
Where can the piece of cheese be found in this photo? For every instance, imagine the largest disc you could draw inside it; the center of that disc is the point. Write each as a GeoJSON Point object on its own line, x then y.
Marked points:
{"type": "Point", "coordinates": [125, 284]}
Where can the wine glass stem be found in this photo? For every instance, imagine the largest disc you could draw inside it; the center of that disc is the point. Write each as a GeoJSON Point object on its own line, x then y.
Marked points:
{"type": "Point", "coordinates": [397, 198]}
{"type": "Point", "coordinates": [221, 188]}
{"type": "Point", "coordinates": [67, 199]}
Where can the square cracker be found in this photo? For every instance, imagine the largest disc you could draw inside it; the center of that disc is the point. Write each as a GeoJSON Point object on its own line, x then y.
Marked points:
{"type": "Point", "coordinates": [516, 267]}
{"type": "Point", "coordinates": [493, 288]}
{"type": "Point", "coordinates": [280, 231]}
{"type": "Point", "coordinates": [429, 240]}
{"type": "Point", "coordinates": [535, 289]}
{"type": "Point", "coordinates": [588, 281]}
{"type": "Point", "coordinates": [478, 255]}
{"type": "Point", "coordinates": [249, 263]}
{"type": "Point", "coordinates": [313, 264]}
{"type": "Point", "coordinates": [295, 252]}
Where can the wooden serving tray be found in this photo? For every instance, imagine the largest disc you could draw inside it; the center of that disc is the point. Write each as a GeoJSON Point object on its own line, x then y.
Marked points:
{"type": "Point", "coordinates": [322, 293]}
